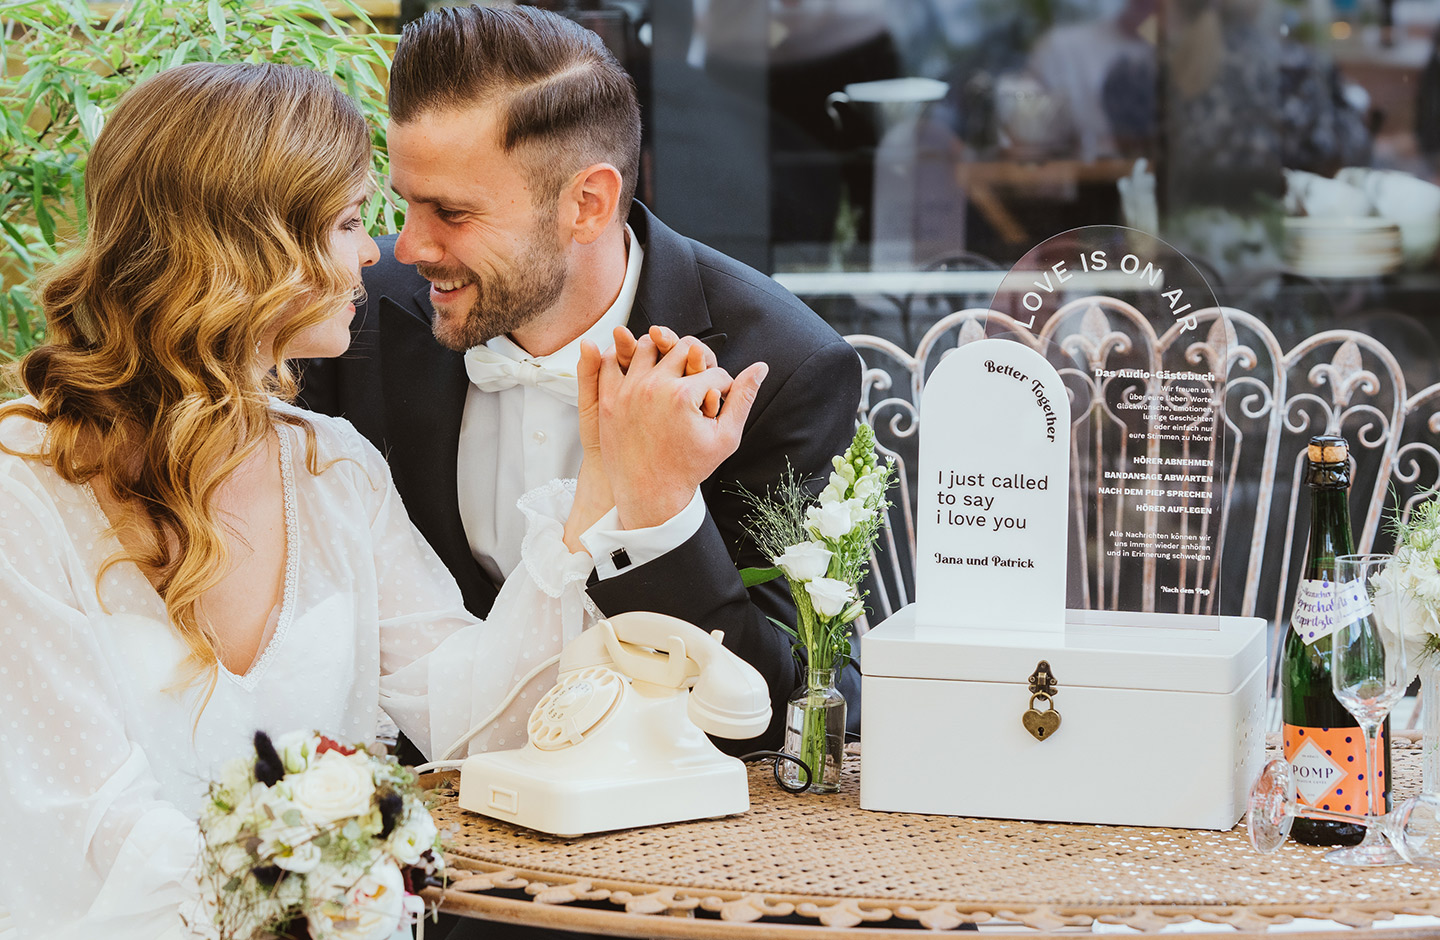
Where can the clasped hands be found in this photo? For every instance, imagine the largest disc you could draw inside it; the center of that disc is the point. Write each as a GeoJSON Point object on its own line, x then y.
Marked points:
{"type": "Point", "coordinates": [657, 417]}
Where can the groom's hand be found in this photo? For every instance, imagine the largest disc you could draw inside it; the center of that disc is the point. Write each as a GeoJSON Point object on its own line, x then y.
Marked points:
{"type": "Point", "coordinates": [656, 440]}
{"type": "Point", "coordinates": [699, 358]}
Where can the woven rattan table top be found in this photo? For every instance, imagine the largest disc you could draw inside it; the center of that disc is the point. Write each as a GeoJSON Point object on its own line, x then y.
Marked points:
{"type": "Point", "coordinates": [821, 861]}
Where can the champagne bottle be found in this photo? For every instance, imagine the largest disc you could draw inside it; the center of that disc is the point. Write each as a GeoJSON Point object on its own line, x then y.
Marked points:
{"type": "Point", "coordinates": [1322, 741]}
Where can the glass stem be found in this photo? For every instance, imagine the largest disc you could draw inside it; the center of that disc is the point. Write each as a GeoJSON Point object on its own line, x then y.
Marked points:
{"type": "Point", "coordinates": [1311, 812]}
{"type": "Point", "coordinates": [1372, 748]}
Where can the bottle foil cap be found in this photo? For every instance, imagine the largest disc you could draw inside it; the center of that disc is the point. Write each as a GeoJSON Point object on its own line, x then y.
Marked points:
{"type": "Point", "coordinates": [1328, 448]}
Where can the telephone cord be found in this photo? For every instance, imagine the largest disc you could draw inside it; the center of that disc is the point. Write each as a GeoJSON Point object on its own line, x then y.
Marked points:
{"type": "Point", "coordinates": [464, 739]}
{"type": "Point", "coordinates": [777, 757]}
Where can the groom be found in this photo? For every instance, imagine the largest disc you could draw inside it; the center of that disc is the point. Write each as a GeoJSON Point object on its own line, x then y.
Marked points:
{"type": "Point", "coordinates": [514, 137]}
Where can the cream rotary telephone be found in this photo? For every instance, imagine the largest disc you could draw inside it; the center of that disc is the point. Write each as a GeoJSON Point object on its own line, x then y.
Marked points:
{"type": "Point", "coordinates": [619, 742]}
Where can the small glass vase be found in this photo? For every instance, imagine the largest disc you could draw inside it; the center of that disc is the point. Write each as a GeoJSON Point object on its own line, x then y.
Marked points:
{"type": "Point", "coordinates": [815, 732]}
{"type": "Point", "coordinates": [1430, 723]}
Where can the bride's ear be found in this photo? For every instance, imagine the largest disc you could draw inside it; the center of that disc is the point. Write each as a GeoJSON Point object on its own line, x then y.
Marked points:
{"type": "Point", "coordinates": [589, 201]}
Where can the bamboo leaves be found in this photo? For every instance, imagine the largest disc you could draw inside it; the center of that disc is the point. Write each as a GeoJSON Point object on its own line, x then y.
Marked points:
{"type": "Point", "coordinates": [63, 66]}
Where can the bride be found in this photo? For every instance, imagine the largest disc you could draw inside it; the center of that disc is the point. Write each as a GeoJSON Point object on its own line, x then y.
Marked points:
{"type": "Point", "coordinates": [185, 557]}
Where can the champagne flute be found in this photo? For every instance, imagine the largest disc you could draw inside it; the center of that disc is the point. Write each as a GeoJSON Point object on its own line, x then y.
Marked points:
{"type": "Point", "coordinates": [1413, 826]}
{"type": "Point", "coordinates": [1368, 674]}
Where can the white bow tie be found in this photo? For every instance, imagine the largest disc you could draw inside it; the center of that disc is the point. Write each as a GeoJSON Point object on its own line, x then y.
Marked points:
{"type": "Point", "coordinates": [491, 372]}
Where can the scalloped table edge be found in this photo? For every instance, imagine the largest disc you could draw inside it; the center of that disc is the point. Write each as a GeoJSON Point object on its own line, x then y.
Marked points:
{"type": "Point", "coordinates": [669, 912]}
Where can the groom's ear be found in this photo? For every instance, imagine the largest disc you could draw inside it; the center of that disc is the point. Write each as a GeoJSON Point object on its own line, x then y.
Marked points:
{"type": "Point", "coordinates": [588, 203]}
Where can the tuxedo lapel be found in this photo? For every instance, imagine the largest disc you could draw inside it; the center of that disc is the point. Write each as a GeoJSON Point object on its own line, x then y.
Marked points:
{"type": "Point", "coordinates": [425, 387]}
{"type": "Point", "coordinates": [669, 292]}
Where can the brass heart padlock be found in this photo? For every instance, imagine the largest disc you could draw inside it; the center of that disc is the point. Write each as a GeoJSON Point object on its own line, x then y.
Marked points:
{"type": "Point", "coordinates": [1043, 685]}
{"type": "Point", "coordinates": [1041, 725]}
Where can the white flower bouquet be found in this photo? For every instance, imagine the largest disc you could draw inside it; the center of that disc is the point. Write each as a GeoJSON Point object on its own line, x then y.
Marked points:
{"type": "Point", "coordinates": [312, 838]}
{"type": "Point", "coordinates": [1410, 583]}
{"type": "Point", "coordinates": [822, 546]}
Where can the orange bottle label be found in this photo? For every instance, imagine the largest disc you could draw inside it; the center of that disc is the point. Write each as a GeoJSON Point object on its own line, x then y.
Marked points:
{"type": "Point", "coordinates": [1329, 767]}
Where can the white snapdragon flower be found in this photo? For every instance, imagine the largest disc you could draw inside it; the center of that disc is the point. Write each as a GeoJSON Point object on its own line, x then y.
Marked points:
{"type": "Point", "coordinates": [829, 595]}
{"type": "Point", "coordinates": [1400, 609]}
{"type": "Point", "coordinates": [335, 787]}
{"type": "Point", "coordinates": [859, 512]}
{"type": "Point", "coordinates": [805, 561]}
{"type": "Point", "coordinates": [830, 521]}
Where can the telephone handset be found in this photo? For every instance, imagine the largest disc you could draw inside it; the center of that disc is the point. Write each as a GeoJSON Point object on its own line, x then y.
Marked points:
{"type": "Point", "coordinates": [618, 741]}
{"type": "Point", "coordinates": [727, 698]}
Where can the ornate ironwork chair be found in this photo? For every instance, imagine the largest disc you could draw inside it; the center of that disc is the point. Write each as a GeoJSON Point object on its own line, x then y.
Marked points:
{"type": "Point", "coordinates": [1273, 401]}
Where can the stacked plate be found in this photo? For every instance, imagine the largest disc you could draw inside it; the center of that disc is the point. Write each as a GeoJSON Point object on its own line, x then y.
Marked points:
{"type": "Point", "coordinates": [1344, 247]}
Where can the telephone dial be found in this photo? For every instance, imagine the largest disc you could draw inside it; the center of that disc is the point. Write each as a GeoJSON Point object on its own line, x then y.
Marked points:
{"type": "Point", "coordinates": [620, 740]}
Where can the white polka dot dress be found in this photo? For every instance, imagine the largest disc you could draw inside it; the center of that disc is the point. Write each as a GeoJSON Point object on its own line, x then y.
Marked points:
{"type": "Point", "coordinates": [102, 760]}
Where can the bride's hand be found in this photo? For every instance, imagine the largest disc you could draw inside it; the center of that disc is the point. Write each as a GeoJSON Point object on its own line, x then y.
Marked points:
{"type": "Point", "coordinates": [699, 357]}
{"type": "Point", "coordinates": [592, 491]}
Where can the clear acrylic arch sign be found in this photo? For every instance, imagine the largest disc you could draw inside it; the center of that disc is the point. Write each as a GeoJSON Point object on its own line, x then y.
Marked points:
{"type": "Point", "coordinates": [1128, 332]}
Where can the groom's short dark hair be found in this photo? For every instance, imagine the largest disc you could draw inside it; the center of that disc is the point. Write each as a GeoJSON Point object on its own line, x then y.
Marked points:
{"type": "Point", "coordinates": [560, 91]}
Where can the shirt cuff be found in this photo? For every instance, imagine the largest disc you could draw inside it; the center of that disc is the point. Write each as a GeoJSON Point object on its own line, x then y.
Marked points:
{"type": "Point", "coordinates": [618, 551]}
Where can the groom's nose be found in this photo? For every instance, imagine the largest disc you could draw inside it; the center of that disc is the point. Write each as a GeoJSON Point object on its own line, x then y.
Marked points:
{"type": "Point", "coordinates": [414, 245]}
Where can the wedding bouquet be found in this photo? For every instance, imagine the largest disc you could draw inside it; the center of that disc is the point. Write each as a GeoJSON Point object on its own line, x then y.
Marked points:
{"type": "Point", "coordinates": [822, 546]}
{"type": "Point", "coordinates": [312, 838]}
{"type": "Point", "coordinates": [1410, 583]}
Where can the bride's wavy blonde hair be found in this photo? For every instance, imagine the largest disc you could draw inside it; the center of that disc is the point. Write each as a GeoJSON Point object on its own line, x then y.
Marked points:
{"type": "Point", "coordinates": [210, 194]}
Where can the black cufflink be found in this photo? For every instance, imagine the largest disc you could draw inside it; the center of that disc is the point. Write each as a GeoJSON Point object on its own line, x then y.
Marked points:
{"type": "Point", "coordinates": [620, 559]}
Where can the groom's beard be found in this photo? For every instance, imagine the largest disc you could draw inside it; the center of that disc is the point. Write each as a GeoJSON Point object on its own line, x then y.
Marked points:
{"type": "Point", "coordinates": [507, 298]}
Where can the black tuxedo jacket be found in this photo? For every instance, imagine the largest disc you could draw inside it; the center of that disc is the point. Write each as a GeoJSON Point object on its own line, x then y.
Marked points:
{"type": "Point", "coordinates": [406, 393]}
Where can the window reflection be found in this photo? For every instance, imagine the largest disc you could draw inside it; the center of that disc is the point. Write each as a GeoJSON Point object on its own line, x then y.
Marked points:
{"type": "Point", "coordinates": [842, 144]}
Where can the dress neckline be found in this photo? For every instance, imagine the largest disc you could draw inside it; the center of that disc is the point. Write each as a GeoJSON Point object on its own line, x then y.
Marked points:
{"type": "Point", "coordinates": [252, 675]}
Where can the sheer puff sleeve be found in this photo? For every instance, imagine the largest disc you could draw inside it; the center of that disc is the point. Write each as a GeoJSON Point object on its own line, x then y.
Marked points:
{"type": "Point", "coordinates": [441, 671]}
{"type": "Point", "coordinates": [90, 847]}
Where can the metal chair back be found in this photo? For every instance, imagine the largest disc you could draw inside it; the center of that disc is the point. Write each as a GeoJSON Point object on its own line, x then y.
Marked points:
{"type": "Point", "coordinates": [1274, 400]}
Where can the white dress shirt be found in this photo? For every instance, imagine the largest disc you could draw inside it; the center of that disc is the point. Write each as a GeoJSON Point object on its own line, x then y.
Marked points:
{"type": "Point", "coordinates": [515, 440]}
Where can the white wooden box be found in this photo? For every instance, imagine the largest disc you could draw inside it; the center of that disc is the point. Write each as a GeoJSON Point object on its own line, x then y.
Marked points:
{"type": "Point", "coordinates": [1162, 720]}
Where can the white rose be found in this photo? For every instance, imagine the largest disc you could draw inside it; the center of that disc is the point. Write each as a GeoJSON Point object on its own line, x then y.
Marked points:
{"type": "Point", "coordinates": [334, 788]}
{"type": "Point", "coordinates": [411, 840]}
{"type": "Point", "coordinates": [829, 521]}
{"type": "Point", "coordinates": [296, 749]}
{"type": "Point", "coordinates": [804, 562]}
{"type": "Point", "coordinates": [830, 596]}
{"type": "Point", "coordinates": [370, 910]}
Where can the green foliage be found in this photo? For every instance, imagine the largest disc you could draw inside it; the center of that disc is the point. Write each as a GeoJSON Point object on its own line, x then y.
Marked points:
{"type": "Point", "coordinates": [62, 66]}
